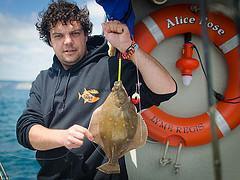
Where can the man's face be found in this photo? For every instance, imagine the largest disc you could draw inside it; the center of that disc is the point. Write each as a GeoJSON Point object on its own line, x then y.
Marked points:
{"type": "Point", "coordinates": [68, 42]}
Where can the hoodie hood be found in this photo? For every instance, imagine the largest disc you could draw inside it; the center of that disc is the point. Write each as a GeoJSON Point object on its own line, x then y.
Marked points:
{"type": "Point", "coordinates": [97, 47]}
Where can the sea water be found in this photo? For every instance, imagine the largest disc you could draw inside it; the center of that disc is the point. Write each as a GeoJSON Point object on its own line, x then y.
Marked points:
{"type": "Point", "coordinates": [18, 162]}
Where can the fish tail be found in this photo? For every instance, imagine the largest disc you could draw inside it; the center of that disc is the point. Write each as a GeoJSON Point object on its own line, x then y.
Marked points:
{"type": "Point", "coordinates": [110, 168]}
{"type": "Point", "coordinates": [79, 96]}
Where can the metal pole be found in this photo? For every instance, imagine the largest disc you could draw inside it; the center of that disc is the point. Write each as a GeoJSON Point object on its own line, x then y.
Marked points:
{"type": "Point", "coordinates": [211, 98]}
{"type": "Point", "coordinates": [236, 5]}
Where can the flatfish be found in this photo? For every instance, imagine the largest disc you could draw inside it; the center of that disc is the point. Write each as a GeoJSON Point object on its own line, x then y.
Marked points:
{"type": "Point", "coordinates": [117, 127]}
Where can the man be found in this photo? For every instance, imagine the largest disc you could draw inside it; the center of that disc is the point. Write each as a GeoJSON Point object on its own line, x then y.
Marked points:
{"type": "Point", "coordinates": [60, 106]}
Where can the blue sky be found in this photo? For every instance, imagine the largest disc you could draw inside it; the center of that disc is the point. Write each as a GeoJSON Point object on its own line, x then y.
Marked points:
{"type": "Point", "coordinates": [22, 54]}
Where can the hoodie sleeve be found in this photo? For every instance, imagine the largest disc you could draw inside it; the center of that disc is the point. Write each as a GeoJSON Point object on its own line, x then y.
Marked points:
{"type": "Point", "coordinates": [31, 115]}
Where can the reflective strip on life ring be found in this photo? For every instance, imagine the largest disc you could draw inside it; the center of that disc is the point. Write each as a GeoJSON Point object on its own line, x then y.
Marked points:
{"type": "Point", "coordinates": [179, 19]}
{"type": "Point", "coordinates": [154, 29]}
{"type": "Point", "coordinates": [221, 123]}
{"type": "Point", "coordinates": [229, 45]}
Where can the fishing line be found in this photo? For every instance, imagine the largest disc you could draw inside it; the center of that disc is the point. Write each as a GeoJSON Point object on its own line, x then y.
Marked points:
{"type": "Point", "coordinates": [119, 66]}
{"type": "Point", "coordinates": [35, 158]}
{"type": "Point", "coordinates": [138, 89]}
{"type": "Point", "coordinates": [97, 149]}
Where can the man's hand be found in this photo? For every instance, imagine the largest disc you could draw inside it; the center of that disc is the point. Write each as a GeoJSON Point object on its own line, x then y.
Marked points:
{"type": "Point", "coordinates": [117, 34]}
{"type": "Point", "coordinates": [74, 136]}
{"type": "Point", "coordinates": [42, 138]}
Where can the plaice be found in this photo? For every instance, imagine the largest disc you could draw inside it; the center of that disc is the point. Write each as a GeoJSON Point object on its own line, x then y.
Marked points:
{"type": "Point", "coordinates": [117, 127]}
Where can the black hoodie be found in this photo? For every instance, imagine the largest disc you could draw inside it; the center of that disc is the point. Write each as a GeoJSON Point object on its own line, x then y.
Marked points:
{"type": "Point", "coordinates": [57, 101]}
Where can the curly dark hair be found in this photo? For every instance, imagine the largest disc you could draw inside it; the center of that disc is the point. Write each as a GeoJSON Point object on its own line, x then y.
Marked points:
{"type": "Point", "coordinates": [62, 11]}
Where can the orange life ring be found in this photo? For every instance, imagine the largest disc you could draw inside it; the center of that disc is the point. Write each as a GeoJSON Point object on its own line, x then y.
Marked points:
{"type": "Point", "coordinates": [180, 19]}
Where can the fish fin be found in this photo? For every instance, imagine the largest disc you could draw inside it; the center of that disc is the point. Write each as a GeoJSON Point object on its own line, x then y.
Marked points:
{"type": "Point", "coordinates": [110, 168]}
{"type": "Point", "coordinates": [93, 91]}
{"type": "Point", "coordinates": [140, 136]}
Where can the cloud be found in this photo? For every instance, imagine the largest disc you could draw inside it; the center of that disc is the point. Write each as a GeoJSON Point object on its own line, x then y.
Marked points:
{"type": "Point", "coordinates": [96, 11]}
{"type": "Point", "coordinates": [22, 54]}
{"type": "Point", "coordinates": [97, 16]}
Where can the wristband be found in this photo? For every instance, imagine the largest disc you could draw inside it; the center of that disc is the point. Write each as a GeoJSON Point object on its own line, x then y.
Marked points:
{"type": "Point", "coordinates": [130, 50]}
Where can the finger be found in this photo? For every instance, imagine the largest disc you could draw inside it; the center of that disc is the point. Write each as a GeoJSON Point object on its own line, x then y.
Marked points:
{"type": "Point", "coordinates": [116, 28]}
{"type": "Point", "coordinates": [75, 141]}
{"type": "Point", "coordinates": [113, 27]}
{"type": "Point", "coordinates": [70, 145]}
{"type": "Point", "coordinates": [106, 28]}
{"type": "Point", "coordinates": [119, 29]}
{"type": "Point", "coordinates": [78, 135]}
{"type": "Point", "coordinates": [86, 132]}
{"type": "Point", "coordinates": [116, 21]}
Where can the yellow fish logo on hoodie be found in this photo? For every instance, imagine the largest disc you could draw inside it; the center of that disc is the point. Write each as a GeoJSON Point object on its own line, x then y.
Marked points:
{"type": "Point", "coordinates": [89, 95]}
